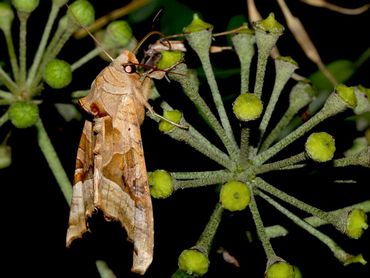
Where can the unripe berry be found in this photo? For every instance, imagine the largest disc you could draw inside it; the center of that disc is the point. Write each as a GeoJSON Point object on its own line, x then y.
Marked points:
{"type": "Point", "coordinates": [169, 59]}
{"type": "Point", "coordinates": [161, 184]}
{"type": "Point", "coordinates": [247, 107]}
{"type": "Point", "coordinates": [269, 25]}
{"type": "Point", "coordinates": [320, 146]}
{"type": "Point", "coordinates": [26, 6]}
{"type": "Point", "coordinates": [235, 195]}
{"type": "Point", "coordinates": [347, 94]}
{"type": "Point", "coordinates": [57, 74]}
{"type": "Point", "coordinates": [280, 270]}
{"type": "Point", "coordinates": [82, 12]}
{"type": "Point", "coordinates": [6, 16]}
{"type": "Point", "coordinates": [23, 114]}
{"type": "Point", "coordinates": [172, 115]}
{"type": "Point", "coordinates": [196, 25]}
{"type": "Point", "coordinates": [356, 223]}
{"type": "Point", "coordinates": [193, 262]}
{"type": "Point", "coordinates": [117, 34]}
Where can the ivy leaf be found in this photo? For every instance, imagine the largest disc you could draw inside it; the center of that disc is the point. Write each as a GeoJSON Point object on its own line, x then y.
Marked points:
{"type": "Point", "coordinates": [175, 17]}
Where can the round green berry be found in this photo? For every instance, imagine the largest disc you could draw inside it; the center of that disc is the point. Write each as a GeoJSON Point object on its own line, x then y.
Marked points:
{"type": "Point", "coordinates": [356, 223]}
{"type": "Point", "coordinates": [247, 107]}
{"type": "Point", "coordinates": [347, 94]}
{"type": "Point", "coordinates": [82, 12]}
{"type": "Point", "coordinates": [320, 146]}
{"type": "Point", "coordinates": [169, 58]}
{"type": "Point", "coordinates": [6, 16]}
{"type": "Point", "coordinates": [172, 115]}
{"type": "Point", "coordinates": [193, 262]}
{"type": "Point", "coordinates": [5, 156]}
{"type": "Point", "coordinates": [197, 24]}
{"type": "Point", "coordinates": [280, 270]}
{"type": "Point", "coordinates": [57, 74]}
{"type": "Point", "coordinates": [235, 195]}
{"type": "Point", "coordinates": [26, 6]}
{"type": "Point", "coordinates": [118, 34]}
{"type": "Point", "coordinates": [23, 114]}
{"type": "Point", "coordinates": [161, 184]}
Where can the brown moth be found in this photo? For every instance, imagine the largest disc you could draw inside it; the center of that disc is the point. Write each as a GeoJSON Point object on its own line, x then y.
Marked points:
{"type": "Point", "coordinates": [110, 170]}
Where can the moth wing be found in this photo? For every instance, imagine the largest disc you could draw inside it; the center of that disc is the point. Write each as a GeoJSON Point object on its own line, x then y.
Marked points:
{"type": "Point", "coordinates": [82, 204]}
{"type": "Point", "coordinates": [123, 183]}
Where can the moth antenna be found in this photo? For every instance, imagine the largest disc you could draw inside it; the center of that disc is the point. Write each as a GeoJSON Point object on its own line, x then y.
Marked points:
{"type": "Point", "coordinates": [145, 38]}
{"type": "Point", "coordinates": [92, 36]}
{"type": "Point", "coordinates": [151, 111]}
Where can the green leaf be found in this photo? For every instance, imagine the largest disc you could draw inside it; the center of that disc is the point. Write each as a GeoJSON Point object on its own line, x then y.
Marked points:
{"type": "Point", "coordinates": [235, 22]}
{"type": "Point", "coordinates": [175, 17]}
{"type": "Point", "coordinates": [342, 71]}
{"type": "Point", "coordinates": [145, 12]}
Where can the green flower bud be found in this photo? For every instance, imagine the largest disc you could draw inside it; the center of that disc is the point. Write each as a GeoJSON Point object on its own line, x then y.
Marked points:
{"type": "Point", "coordinates": [161, 184]}
{"type": "Point", "coordinates": [356, 223]}
{"type": "Point", "coordinates": [269, 25]}
{"type": "Point", "coordinates": [193, 262]}
{"type": "Point", "coordinates": [280, 270]}
{"type": "Point", "coordinates": [6, 16]}
{"type": "Point", "coordinates": [197, 25]}
{"type": "Point", "coordinates": [57, 74]}
{"type": "Point", "coordinates": [23, 114]}
{"type": "Point", "coordinates": [5, 156]}
{"type": "Point", "coordinates": [320, 146]}
{"type": "Point", "coordinates": [287, 59]}
{"type": "Point", "coordinates": [297, 272]}
{"type": "Point", "coordinates": [235, 195]}
{"type": "Point", "coordinates": [364, 90]}
{"type": "Point", "coordinates": [172, 115]}
{"type": "Point", "coordinates": [169, 59]}
{"type": "Point", "coordinates": [82, 12]}
{"type": "Point", "coordinates": [347, 94]}
{"type": "Point", "coordinates": [118, 34]}
{"type": "Point", "coordinates": [247, 107]}
{"type": "Point", "coordinates": [26, 6]}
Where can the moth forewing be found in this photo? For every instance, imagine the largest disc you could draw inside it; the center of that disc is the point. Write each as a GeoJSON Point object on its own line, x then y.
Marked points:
{"type": "Point", "coordinates": [110, 168]}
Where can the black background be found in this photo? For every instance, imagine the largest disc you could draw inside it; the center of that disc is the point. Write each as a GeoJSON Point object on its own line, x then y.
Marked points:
{"type": "Point", "coordinates": [35, 214]}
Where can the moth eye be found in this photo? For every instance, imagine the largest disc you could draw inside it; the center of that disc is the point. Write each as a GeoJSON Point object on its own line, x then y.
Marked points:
{"type": "Point", "coordinates": [129, 68]}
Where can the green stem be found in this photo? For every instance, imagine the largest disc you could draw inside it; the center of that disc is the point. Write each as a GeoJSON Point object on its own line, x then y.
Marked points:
{"type": "Point", "coordinates": [244, 147]}
{"type": "Point", "coordinates": [6, 95]}
{"type": "Point", "coordinates": [260, 228]}
{"type": "Point", "coordinates": [332, 106]}
{"type": "Point", "coordinates": [281, 164]}
{"type": "Point", "coordinates": [190, 86]}
{"type": "Point", "coordinates": [363, 58]}
{"type": "Point", "coordinates": [12, 55]}
{"type": "Point", "coordinates": [197, 175]}
{"type": "Point", "coordinates": [44, 39]}
{"type": "Point", "coordinates": [54, 162]}
{"type": "Point", "coordinates": [205, 240]}
{"type": "Point", "coordinates": [277, 230]}
{"type": "Point", "coordinates": [199, 143]}
{"type": "Point", "coordinates": [7, 81]}
{"type": "Point", "coordinates": [261, 184]}
{"type": "Point", "coordinates": [4, 118]}
{"type": "Point", "coordinates": [104, 270]}
{"type": "Point", "coordinates": [23, 18]}
{"type": "Point", "coordinates": [338, 252]}
{"type": "Point", "coordinates": [361, 159]}
{"type": "Point", "coordinates": [90, 55]}
{"type": "Point", "coordinates": [210, 180]}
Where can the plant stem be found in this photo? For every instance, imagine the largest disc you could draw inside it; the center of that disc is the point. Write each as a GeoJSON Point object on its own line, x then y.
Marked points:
{"type": "Point", "coordinates": [270, 253]}
{"type": "Point", "coordinates": [197, 175]}
{"type": "Point", "coordinates": [104, 270]}
{"type": "Point", "coordinates": [244, 147]}
{"type": "Point", "coordinates": [90, 55]}
{"type": "Point", "coordinates": [210, 180]}
{"type": "Point", "coordinates": [4, 118]}
{"type": "Point", "coordinates": [281, 164]}
{"type": "Point", "coordinates": [277, 230]}
{"type": "Point", "coordinates": [332, 106]}
{"type": "Point", "coordinates": [205, 240]}
{"type": "Point", "coordinates": [12, 55]}
{"type": "Point", "coordinates": [44, 39]}
{"type": "Point", "coordinates": [8, 82]}
{"type": "Point", "coordinates": [6, 95]}
{"type": "Point", "coordinates": [23, 18]}
{"type": "Point", "coordinates": [338, 252]}
{"type": "Point", "coordinates": [261, 184]}
{"type": "Point", "coordinates": [54, 162]}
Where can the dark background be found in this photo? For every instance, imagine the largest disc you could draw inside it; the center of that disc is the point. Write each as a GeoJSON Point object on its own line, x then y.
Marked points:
{"type": "Point", "coordinates": [35, 214]}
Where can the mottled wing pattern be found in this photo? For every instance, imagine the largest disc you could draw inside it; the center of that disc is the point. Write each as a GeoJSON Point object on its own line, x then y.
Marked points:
{"type": "Point", "coordinates": [82, 204]}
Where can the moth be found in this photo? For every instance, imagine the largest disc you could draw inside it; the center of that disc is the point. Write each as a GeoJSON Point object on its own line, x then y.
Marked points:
{"type": "Point", "coordinates": [110, 173]}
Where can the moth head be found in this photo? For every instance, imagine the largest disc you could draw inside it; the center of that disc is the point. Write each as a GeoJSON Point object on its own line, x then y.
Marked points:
{"type": "Point", "coordinates": [126, 62]}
